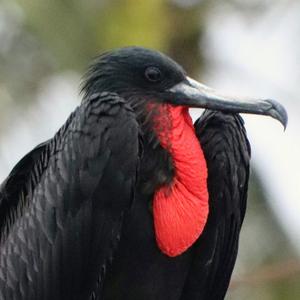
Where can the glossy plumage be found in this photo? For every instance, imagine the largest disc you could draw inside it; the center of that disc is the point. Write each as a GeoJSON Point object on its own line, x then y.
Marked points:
{"type": "Point", "coordinates": [227, 153]}
{"type": "Point", "coordinates": [76, 217]}
{"type": "Point", "coordinates": [60, 238]}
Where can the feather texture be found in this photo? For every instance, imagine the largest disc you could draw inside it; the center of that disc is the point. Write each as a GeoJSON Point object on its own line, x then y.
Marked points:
{"type": "Point", "coordinates": [227, 152]}
{"type": "Point", "coordinates": [64, 204]}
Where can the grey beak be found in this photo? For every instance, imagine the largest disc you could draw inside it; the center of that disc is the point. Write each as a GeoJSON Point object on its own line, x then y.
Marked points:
{"type": "Point", "coordinates": [194, 94]}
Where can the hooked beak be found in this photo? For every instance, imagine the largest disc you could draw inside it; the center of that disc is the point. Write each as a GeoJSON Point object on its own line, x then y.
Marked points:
{"type": "Point", "coordinates": [194, 94]}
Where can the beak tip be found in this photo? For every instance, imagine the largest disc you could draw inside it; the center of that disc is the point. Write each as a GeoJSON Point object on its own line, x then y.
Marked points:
{"type": "Point", "coordinates": [278, 112]}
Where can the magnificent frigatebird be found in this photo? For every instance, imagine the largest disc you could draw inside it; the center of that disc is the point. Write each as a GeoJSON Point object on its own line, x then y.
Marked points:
{"type": "Point", "coordinates": [129, 199]}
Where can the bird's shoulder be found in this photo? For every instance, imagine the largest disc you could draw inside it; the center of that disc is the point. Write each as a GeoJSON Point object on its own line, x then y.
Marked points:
{"type": "Point", "coordinates": [99, 127]}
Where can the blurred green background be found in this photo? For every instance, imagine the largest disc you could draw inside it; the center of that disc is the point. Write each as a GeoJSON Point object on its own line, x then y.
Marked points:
{"type": "Point", "coordinates": [45, 47]}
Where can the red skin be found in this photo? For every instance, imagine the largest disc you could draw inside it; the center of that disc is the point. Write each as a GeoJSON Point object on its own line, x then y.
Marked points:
{"type": "Point", "coordinates": [180, 209]}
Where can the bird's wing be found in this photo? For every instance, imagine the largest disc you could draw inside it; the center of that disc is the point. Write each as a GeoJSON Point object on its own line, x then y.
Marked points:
{"type": "Point", "coordinates": [227, 152]}
{"type": "Point", "coordinates": [15, 184]}
{"type": "Point", "coordinates": [62, 206]}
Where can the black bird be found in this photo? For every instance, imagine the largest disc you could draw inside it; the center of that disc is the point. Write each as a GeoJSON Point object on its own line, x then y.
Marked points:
{"type": "Point", "coordinates": [130, 200]}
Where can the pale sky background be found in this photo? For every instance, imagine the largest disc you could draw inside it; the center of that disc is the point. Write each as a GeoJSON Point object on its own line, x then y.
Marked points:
{"type": "Point", "coordinates": [248, 63]}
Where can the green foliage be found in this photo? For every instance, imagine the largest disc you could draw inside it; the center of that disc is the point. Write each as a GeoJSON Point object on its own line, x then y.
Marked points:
{"type": "Point", "coordinates": [75, 31]}
{"type": "Point", "coordinates": [132, 22]}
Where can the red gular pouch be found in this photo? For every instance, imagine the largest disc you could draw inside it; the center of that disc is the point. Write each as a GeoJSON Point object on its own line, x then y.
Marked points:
{"type": "Point", "coordinates": [180, 209]}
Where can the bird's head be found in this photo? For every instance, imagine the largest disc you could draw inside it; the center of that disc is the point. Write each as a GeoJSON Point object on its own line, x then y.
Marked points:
{"type": "Point", "coordinates": [160, 93]}
{"type": "Point", "coordinates": [142, 75]}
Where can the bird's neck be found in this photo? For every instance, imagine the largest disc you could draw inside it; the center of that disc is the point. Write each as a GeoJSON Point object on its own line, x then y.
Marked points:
{"type": "Point", "coordinates": [180, 209]}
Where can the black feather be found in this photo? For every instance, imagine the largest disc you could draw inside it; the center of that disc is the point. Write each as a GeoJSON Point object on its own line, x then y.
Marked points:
{"type": "Point", "coordinates": [72, 199]}
{"type": "Point", "coordinates": [227, 152]}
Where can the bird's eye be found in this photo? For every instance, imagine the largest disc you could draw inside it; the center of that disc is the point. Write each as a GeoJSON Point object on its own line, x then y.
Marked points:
{"type": "Point", "coordinates": [153, 74]}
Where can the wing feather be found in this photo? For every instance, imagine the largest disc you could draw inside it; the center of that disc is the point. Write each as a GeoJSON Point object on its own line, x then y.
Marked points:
{"type": "Point", "coordinates": [62, 206]}
{"type": "Point", "coordinates": [227, 152]}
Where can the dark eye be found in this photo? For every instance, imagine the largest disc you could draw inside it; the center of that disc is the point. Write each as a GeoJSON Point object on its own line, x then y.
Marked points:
{"type": "Point", "coordinates": [153, 74]}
